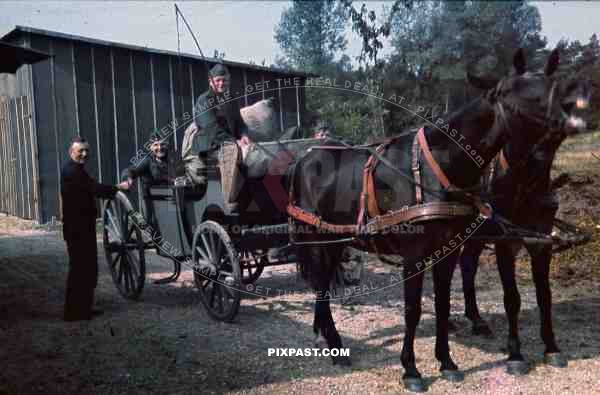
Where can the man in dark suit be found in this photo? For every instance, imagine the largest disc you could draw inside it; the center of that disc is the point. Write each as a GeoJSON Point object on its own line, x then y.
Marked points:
{"type": "Point", "coordinates": [79, 192]}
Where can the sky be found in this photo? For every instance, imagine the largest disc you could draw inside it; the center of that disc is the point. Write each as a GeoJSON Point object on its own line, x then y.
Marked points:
{"type": "Point", "coordinates": [243, 30]}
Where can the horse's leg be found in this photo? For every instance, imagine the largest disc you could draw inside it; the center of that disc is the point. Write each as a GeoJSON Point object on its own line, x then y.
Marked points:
{"type": "Point", "coordinates": [323, 324]}
{"type": "Point", "coordinates": [469, 262]}
{"type": "Point", "coordinates": [505, 260]}
{"type": "Point", "coordinates": [452, 326]}
{"type": "Point", "coordinates": [442, 276]}
{"type": "Point", "coordinates": [540, 267]}
{"type": "Point", "coordinates": [413, 286]}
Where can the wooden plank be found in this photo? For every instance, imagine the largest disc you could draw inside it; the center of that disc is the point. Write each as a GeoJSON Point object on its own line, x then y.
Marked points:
{"type": "Point", "coordinates": [114, 98]}
{"type": "Point", "coordinates": [172, 98]}
{"type": "Point", "coordinates": [96, 122]}
{"type": "Point", "coordinates": [44, 126]}
{"type": "Point", "coordinates": [3, 177]}
{"type": "Point", "coordinates": [11, 158]}
{"type": "Point", "coordinates": [34, 163]}
{"type": "Point", "coordinates": [25, 157]}
{"type": "Point", "coordinates": [17, 154]}
{"type": "Point", "coordinates": [12, 162]}
{"type": "Point", "coordinates": [73, 65]}
{"type": "Point", "coordinates": [58, 151]}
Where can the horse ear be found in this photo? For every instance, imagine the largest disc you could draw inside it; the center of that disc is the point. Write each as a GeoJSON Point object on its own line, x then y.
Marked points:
{"type": "Point", "coordinates": [552, 63]}
{"type": "Point", "coordinates": [519, 61]}
{"type": "Point", "coordinates": [481, 83]}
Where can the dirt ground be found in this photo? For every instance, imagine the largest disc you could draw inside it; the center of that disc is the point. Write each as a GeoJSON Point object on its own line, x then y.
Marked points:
{"type": "Point", "coordinates": [166, 343]}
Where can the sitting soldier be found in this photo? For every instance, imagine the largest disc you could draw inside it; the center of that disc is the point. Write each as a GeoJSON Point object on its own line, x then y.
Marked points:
{"type": "Point", "coordinates": [154, 167]}
{"type": "Point", "coordinates": [321, 130]}
{"type": "Point", "coordinates": [154, 170]}
{"type": "Point", "coordinates": [218, 125]}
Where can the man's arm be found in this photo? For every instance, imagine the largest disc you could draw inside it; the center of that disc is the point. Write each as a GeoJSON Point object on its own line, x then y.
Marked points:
{"type": "Point", "coordinates": [141, 169]}
{"type": "Point", "coordinates": [79, 181]}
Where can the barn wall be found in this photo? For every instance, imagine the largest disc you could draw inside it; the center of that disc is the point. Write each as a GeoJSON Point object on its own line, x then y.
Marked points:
{"type": "Point", "coordinates": [113, 96]}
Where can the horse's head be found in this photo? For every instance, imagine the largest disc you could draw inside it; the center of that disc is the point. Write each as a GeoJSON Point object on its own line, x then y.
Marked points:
{"type": "Point", "coordinates": [532, 107]}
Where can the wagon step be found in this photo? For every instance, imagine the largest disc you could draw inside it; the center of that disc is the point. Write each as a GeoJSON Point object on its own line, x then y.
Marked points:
{"type": "Point", "coordinates": [173, 277]}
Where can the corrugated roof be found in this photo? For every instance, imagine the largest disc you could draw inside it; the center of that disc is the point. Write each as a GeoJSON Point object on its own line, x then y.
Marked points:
{"type": "Point", "coordinates": [26, 29]}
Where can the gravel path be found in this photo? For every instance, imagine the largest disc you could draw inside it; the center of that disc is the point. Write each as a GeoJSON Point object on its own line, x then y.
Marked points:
{"type": "Point", "coordinates": [166, 343]}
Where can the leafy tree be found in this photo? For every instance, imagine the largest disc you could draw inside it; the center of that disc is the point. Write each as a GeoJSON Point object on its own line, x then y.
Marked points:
{"type": "Point", "coordinates": [590, 53]}
{"type": "Point", "coordinates": [311, 33]}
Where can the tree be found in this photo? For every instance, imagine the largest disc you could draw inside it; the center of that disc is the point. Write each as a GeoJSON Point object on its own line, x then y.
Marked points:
{"type": "Point", "coordinates": [311, 33]}
{"type": "Point", "coordinates": [436, 43]}
{"type": "Point", "coordinates": [590, 53]}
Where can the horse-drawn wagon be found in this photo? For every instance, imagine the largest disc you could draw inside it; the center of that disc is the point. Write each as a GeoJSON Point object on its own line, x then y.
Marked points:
{"type": "Point", "coordinates": [192, 227]}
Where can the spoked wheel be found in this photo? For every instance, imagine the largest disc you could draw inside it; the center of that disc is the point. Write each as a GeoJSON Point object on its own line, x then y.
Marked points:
{"type": "Point", "coordinates": [217, 271]}
{"type": "Point", "coordinates": [124, 247]}
{"type": "Point", "coordinates": [252, 264]}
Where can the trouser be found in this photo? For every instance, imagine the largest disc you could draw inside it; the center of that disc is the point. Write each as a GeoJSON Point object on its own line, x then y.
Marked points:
{"type": "Point", "coordinates": [230, 156]}
{"type": "Point", "coordinates": [83, 272]}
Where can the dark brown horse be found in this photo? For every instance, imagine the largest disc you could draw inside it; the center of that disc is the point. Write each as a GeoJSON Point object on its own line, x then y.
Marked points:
{"type": "Point", "coordinates": [453, 154]}
{"type": "Point", "coordinates": [523, 193]}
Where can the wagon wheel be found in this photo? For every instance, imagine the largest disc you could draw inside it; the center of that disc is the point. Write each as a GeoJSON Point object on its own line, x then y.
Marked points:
{"type": "Point", "coordinates": [217, 271]}
{"type": "Point", "coordinates": [252, 265]}
{"type": "Point", "coordinates": [124, 247]}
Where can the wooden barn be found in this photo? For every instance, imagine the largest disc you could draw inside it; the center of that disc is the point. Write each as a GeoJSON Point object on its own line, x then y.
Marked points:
{"type": "Point", "coordinates": [112, 94]}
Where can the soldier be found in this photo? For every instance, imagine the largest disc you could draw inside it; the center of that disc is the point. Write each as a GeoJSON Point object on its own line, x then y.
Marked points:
{"type": "Point", "coordinates": [79, 192]}
{"type": "Point", "coordinates": [154, 167]}
{"type": "Point", "coordinates": [218, 124]}
{"type": "Point", "coordinates": [321, 129]}
{"type": "Point", "coordinates": [154, 170]}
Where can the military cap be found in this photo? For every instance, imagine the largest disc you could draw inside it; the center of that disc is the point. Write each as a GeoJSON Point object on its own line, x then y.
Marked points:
{"type": "Point", "coordinates": [155, 136]}
{"type": "Point", "coordinates": [218, 70]}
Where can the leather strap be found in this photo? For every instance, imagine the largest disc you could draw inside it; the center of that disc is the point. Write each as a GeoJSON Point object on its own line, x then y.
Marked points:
{"type": "Point", "coordinates": [412, 214]}
{"type": "Point", "coordinates": [502, 160]}
{"type": "Point", "coordinates": [416, 168]}
{"type": "Point", "coordinates": [368, 182]}
{"type": "Point", "coordinates": [435, 167]}
{"type": "Point", "coordinates": [375, 222]}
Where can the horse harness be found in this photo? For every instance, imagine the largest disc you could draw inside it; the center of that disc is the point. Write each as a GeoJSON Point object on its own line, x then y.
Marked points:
{"type": "Point", "coordinates": [371, 220]}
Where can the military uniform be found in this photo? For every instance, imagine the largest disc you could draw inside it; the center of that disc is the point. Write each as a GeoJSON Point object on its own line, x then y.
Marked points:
{"type": "Point", "coordinates": [220, 124]}
{"type": "Point", "coordinates": [151, 170]}
{"type": "Point", "coordinates": [79, 192]}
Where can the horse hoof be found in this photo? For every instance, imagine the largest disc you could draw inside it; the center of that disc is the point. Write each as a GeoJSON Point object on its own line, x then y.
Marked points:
{"type": "Point", "coordinates": [517, 368]}
{"type": "Point", "coordinates": [481, 328]}
{"type": "Point", "coordinates": [341, 360]}
{"type": "Point", "coordinates": [454, 376]}
{"type": "Point", "coordinates": [414, 384]}
{"type": "Point", "coordinates": [556, 359]}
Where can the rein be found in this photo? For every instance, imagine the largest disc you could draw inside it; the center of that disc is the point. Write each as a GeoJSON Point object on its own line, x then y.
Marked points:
{"type": "Point", "coordinates": [371, 221]}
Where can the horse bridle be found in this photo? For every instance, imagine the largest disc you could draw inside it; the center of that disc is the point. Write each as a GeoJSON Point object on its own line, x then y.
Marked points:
{"type": "Point", "coordinates": [551, 127]}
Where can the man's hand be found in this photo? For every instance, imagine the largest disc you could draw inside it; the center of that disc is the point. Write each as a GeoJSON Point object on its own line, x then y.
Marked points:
{"type": "Point", "coordinates": [244, 141]}
{"type": "Point", "coordinates": [124, 186]}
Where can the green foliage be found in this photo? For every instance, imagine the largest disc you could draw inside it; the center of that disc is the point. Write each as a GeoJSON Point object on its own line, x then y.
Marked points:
{"type": "Point", "coordinates": [311, 33]}
{"type": "Point", "coordinates": [434, 44]}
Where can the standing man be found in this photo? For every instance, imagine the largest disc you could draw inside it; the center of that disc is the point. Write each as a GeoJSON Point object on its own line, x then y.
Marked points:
{"type": "Point", "coordinates": [78, 191]}
{"type": "Point", "coordinates": [218, 125]}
